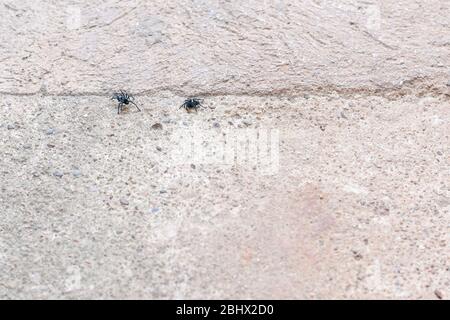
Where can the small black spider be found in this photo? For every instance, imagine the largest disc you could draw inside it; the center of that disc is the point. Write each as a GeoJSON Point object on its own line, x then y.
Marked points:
{"type": "Point", "coordinates": [124, 99]}
{"type": "Point", "coordinates": [192, 104]}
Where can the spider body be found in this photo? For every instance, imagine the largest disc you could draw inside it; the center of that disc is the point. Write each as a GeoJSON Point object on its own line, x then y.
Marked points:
{"type": "Point", "coordinates": [192, 104]}
{"type": "Point", "coordinates": [124, 99]}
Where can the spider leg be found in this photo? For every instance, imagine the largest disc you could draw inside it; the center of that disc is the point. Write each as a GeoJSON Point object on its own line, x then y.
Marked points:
{"type": "Point", "coordinates": [183, 106]}
{"type": "Point", "coordinates": [119, 107]}
{"type": "Point", "coordinates": [135, 105]}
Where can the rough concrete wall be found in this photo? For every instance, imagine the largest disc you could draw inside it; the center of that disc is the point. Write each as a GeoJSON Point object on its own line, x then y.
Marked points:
{"type": "Point", "coordinates": [94, 205]}
{"type": "Point", "coordinates": [223, 47]}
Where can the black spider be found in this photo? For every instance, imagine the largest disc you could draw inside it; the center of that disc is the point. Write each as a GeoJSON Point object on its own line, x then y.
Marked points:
{"type": "Point", "coordinates": [192, 104]}
{"type": "Point", "coordinates": [124, 99]}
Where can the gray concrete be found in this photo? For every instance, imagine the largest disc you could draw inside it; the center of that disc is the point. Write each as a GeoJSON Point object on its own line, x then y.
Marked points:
{"type": "Point", "coordinates": [352, 201]}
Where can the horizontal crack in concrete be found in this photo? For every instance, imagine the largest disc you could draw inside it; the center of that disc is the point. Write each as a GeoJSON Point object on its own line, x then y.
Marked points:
{"type": "Point", "coordinates": [414, 87]}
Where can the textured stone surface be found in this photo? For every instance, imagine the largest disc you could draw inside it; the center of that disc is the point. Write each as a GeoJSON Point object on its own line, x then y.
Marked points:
{"type": "Point", "coordinates": [359, 206]}
{"type": "Point", "coordinates": [353, 201]}
{"type": "Point", "coordinates": [223, 47]}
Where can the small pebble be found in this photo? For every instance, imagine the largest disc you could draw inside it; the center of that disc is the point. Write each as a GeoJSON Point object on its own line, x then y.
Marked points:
{"type": "Point", "coordinates": [357, 255]}
{"type": "Point", "coordinates": [124, 202]}
{"type": "Point", "coordinates": [159, 148]}
{"type": "Point", "coordinates": [11, 127]}
{"type": "Point", "coordinates": [154, 210]}
{"type": "Point", "coordinates": [157, 126]}
{"type": "Point", "coordinates": [58, 174]}
{"type": "Point", "coordinates": [27, 146]}
{"type": "Point", "coordinates": [439, 294]}
{"type": "Point", "coordinates": [162, 191]}
{"type": "Point", "coordinates": [50, 131]}
{"type": "Point", "coordinates": [76, 173]}
{"type": "Point", "coordinates": [193, 166]}
{"type": "Point", "coordinates": [216, 125]}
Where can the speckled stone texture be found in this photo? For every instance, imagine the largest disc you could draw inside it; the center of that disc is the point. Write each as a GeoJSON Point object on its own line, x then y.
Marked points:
{"type": "Point", "coordinates": [98, 207]}
{"type": "Point", "coordinates": [223, 47]}
{"type": "Point", "coordinates": [344, 103]}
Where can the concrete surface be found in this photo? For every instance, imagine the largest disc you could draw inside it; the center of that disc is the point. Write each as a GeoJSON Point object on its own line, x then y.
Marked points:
{"type": "Point", "coordinates": [318, 168]}
{"type": "Point", "coordinates": [223, 47]}
{"type": "Point", "coordinates": [98, 207]}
